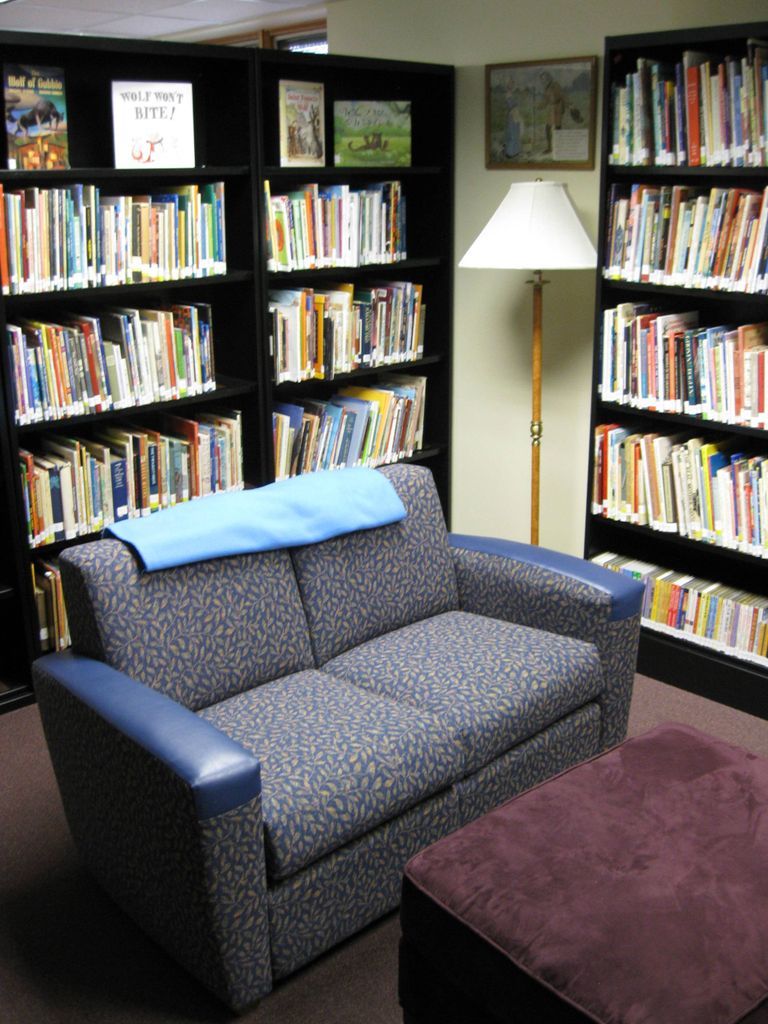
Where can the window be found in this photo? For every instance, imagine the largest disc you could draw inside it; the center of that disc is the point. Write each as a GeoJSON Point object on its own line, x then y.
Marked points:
{"type": "Point", "coordinates": [308, 37]}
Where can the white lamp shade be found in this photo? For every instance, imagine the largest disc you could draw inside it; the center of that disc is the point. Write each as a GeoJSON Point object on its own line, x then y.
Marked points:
{"type": "Point", "coordinates": [535, 228]}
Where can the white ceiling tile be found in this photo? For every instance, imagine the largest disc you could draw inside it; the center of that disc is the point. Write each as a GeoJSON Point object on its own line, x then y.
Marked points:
{"type": "Point", "coordinates": [215, 11]}
{"type": "Point", "coordinates": [139, 18]}
{"type": "Point", "coordinates": [149, 26]}
{"type": "Point", "coordinates": [42, 18]}
{"type": "Point", "coordinates": [85, 8]}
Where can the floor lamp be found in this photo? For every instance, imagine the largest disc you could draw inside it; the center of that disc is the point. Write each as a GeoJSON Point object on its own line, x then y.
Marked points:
{"type": "Point", "coordinates": [535, 226]}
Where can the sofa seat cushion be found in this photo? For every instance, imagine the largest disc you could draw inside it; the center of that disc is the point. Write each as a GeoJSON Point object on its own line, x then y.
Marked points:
{"type": "Point", "coordinates": [335, 761]}
{"type": "Point", "coordinates": [493, 683]}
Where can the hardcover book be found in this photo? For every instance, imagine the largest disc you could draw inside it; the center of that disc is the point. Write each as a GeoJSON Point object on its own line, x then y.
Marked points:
{"type": "Point", "coordinates": [35, 117]}
{"type": "Point", "coordinates": [372, 133]}
{"type": "Point", "coordinates": [302, 124]}
{"type": "Point", "coordinates": [153, 124]}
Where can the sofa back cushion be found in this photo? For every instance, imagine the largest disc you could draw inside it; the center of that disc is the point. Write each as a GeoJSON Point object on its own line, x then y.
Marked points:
{"type": "Point", "coordinates": [198, 633]}
{"type": "Point", "coordinates": [367, 583]}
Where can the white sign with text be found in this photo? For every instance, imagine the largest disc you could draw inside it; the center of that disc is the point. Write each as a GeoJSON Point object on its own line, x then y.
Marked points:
{"type": "Point", "coordinates": [153, 124]}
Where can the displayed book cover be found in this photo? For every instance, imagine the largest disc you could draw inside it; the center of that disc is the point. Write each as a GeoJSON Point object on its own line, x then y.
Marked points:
{"type": "Point", "coordinates": [302, 124]}
{"type": "Point", "coordinates": [35, 117]}
{"type": "Point", "coordinates": [372, 133]}
{"type": "Point", "coordinates": [153, 124]}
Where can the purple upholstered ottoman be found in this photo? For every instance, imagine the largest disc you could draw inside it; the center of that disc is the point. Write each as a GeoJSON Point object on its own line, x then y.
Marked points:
{"type": "Point", "coordinates": [631, 889]}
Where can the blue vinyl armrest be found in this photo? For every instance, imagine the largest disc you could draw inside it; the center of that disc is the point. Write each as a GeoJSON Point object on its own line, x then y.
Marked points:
{"type": "Point", "coordinates": [626, 594]}
{"type": "Point", "coordinates": [219, 772]}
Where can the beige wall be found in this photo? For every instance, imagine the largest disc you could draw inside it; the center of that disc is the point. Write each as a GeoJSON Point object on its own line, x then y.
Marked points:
{"type": "Point", "coordinates": [492, 320]}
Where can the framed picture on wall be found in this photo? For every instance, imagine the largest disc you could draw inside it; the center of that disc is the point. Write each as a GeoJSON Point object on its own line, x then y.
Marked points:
{"type": "Point", "coordinates": [541, 114]}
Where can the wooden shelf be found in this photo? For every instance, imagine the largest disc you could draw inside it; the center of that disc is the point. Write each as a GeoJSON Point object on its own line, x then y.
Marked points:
{"type": "Point", "coordinates": [134, 294]}
{"type": "Point", "coordinates": [226, 391]}
{"type": "Point", "coordinates": [354, 174]}
{"type": "Point", "coordinates": [71, 175]}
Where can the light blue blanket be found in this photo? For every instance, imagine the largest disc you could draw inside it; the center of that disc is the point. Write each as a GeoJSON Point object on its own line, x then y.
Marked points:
{"type": "Point", "coordinates": [303, 510]}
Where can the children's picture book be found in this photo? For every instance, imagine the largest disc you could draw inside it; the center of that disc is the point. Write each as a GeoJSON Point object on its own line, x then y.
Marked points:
{"type": "Point", "coordinates": [372, 133]}
{"type": "Point", "coordinates": [153, 124]}
{"type": "Point", "coordinates": [302, 124]}
{"type": "Point", "coordinates": [35, 118]}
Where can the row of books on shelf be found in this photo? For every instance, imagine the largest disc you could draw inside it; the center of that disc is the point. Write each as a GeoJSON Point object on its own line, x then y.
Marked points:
{"type": "Point", "coordinates": [706, 491]}
{"type": "Point", "coordinates": [53, 239]}
{"type": "Point", "coordinates": [53, 626]}
{"type": "Point", "coordinates": [317, 226]}
{"type": "Point", "coordinates": [75, 486]}
{"type": "Point", "coordinates": [699, 111]}
{"type": "Point", "coordinates": [666, 362]}
{"type": "Point", "coordinates": [319, 332]}
{"type": "Point", "coordinates": [358, 426]}
{"type": "Point", "coordinates": [725, 619]}
{"type": "Point", "coordinates": [119, 358]}
{"type": "Point", "coordinates": [688, 237]}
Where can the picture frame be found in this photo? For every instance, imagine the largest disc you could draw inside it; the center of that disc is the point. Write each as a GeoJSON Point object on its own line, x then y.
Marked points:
{"type": "Point", "coordinates": [541, 114]}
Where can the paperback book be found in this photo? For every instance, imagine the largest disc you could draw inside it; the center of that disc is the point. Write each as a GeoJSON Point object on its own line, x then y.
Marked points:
{"type": "Point", "coordinates": [372, 133]}
{"type": "Point", "coordinates": [302, 124]}
{"type": "Point", "coordinates": [35, 118]}
{"type": "Point", "coordinates": [153, 124]}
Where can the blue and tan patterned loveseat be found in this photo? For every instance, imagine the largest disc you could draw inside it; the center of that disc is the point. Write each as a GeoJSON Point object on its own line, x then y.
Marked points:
{"type": "Point", "coordinates": [249, 748]}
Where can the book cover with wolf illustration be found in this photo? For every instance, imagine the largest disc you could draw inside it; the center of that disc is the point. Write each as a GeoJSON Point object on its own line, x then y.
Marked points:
{"type": "Point", "coordinates": [302, 124]}
{"type": "Point", "coordinates": [153, 124]}
{"type": "Point", "coordinates": [372, 133]}
{"type": "Point", "coordinates": [35, 118]}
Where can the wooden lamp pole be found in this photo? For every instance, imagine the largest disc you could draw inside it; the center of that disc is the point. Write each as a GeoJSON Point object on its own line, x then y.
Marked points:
{"type": "Point", "coordinates": [535, 225]}
{"type": "Point", "coordinates": [537, 427]}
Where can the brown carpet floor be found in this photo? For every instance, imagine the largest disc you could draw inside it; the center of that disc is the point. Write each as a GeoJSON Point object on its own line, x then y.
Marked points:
{"type": "Point", "coordinates": [69, 956]}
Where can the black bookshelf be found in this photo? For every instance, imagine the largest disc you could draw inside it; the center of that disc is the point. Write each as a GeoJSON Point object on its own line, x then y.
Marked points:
{"type": "Point", "coordinates": [428, 187]}
{"type": "Point", "coordinates": [237, 142]}
{"type": "Point", "coordinates": [673, 658]}
{"type": "Point", "coordinates": [225, 117]}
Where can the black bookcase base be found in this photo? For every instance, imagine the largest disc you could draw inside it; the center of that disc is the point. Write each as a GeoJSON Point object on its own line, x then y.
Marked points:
{"type": "Point", "coordinates": [706, 673]}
